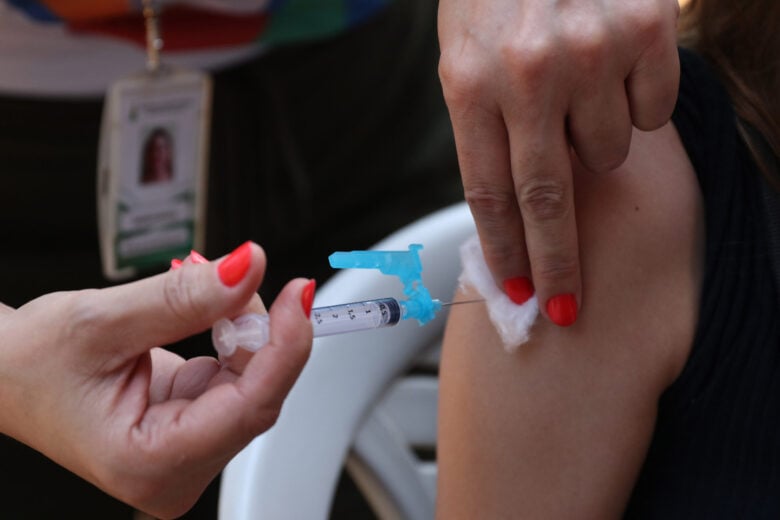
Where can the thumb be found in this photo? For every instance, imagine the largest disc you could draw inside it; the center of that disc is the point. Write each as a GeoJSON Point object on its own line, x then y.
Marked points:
{"type": "Point", "coordinates": [169, 307]}
{"type": "Point", "coordinates": [220, 422]}
{"type": "Point", "coordinates": [273, 369]}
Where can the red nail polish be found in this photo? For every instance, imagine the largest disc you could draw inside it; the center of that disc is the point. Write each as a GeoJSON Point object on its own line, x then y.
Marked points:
{"type": "Point", "coordinates": [175, 264]}
{"type": "Point", "coordinates": [233, 268]}
{"type": "Point", "coordinates": [519, 289]}
{"type": "Point", "coordinates": [197, 258]}
{"type": "Point", "coordinates": [562, 309]}
{"type": "Point", "coordinates": [307, 297]}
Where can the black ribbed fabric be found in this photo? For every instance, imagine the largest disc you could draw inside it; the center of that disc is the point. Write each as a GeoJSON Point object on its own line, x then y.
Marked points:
{"type": "Point", "coordinates": [716, 448]}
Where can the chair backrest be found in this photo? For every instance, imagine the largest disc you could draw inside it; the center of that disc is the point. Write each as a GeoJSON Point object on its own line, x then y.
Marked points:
{"type": "Point", "coordinates": [291, 471]}
{"type": "Point", "coordinates": [385, 461]}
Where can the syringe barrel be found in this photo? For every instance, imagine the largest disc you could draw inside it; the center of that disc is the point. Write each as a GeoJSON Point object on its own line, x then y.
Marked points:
{"type": "Point", "coordinates": [250, 331]}
{"type": "Point", "coordinates": [355, 316]}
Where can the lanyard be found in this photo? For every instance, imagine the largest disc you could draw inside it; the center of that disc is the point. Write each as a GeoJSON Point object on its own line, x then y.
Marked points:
{"type": "Point", "coordinates": [152, 159]}
{"type": "Point", "coordinates": [154, 41]}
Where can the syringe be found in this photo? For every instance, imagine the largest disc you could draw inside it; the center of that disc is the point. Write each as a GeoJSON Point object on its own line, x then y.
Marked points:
{"type": "Point", "coordinates": [250, 331]}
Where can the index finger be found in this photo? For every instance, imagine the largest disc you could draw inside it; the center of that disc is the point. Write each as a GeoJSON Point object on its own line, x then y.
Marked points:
{"type": "Point", "coordinates": [544, 187]}
{"type": "Point", "coordinates": [483, 154]}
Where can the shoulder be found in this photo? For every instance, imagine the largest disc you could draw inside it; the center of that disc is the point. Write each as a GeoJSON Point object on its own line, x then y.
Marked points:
{"type": "Point", "coordinates": [641, 230]}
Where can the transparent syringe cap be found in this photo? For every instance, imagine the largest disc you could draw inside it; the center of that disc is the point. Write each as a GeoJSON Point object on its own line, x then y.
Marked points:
{"type": "Point", "coordinates": [249, 332]}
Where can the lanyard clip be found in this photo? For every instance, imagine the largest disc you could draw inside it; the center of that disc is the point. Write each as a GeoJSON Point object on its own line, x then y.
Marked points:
{"type": "Point", "coordinates": [154, 42]}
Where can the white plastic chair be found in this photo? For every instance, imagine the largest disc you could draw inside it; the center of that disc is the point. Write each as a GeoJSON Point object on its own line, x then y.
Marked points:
{"type": "Point", "coordinates": [353, 403]}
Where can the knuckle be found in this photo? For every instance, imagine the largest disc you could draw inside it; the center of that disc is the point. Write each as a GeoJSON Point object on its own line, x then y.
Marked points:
{"type": "Point", "coordinates": [180, 297]}
{"type": "Point", "coordinates": [543, 199]}
{"type": "Point", "coordinates": [490, 206]}
{"type": "Point", "coordinates": [589, 45]}
{"type": "Point", "coordinates": [556, 268]}
{"type": "Point", "coordinates": [258, 416]}
{"type": "Point", "coordinates": [646, 21]}
{"type": "Point", "coordinates": [268, 417]}
{"type": "Point", "coordinates": [461, 79]}
{"type": "Point", "coordinates": [260, 419]}
{"type": "Point", "coordinates": [531, 61]}
{"type": "Point", "coordinates": [493, 211]}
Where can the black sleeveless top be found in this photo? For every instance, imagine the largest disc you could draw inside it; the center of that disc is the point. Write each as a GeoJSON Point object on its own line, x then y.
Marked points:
{"type": "Point", "coordinates": [715, 452]}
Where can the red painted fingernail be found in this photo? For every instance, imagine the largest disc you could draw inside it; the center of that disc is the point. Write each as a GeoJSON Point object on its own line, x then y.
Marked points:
{"type": "Point", "coordinates": [233, 268]}
{"type": "Point", "coordinates": [562, 309]}
{"type": "Point", "coordinates": [175, 264]}
{"type": "Point", "coordinates": [519, 289]}
{"type": "Point", "coordinates": [307, 297]}
{"type": "Point", "coordinates": [197, 258]}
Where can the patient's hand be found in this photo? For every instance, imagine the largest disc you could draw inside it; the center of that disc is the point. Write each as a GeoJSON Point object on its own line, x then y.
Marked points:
{"type": "Point", "coordinates": [524, 81]}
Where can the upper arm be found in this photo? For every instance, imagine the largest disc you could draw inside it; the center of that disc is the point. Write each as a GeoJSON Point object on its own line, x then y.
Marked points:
{"type": "Point", "coordinates": [560, 428]}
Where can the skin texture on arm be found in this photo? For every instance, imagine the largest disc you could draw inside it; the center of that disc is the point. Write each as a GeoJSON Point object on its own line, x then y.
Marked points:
{"type": "Point", "coordinates": [560, 428]}
{"type": "Point", "coordinates": [526, 79]}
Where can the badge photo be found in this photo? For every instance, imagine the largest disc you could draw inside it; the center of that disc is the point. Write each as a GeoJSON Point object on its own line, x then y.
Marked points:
{"type": "Point", "coordinates": [152, 170]}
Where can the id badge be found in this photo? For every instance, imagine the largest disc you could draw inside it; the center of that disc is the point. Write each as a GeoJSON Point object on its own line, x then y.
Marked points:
{"type": "Point", "coordinates": [152, 173]}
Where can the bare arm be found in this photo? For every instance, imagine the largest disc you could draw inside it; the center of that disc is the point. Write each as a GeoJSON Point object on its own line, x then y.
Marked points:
{"type": "Point", "coordinates": [560, 429]}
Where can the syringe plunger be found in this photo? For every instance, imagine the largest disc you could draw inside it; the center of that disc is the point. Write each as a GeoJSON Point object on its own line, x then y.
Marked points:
{"type": "Point", "coordinates": [249, 331]}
